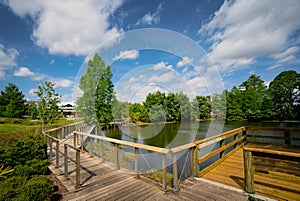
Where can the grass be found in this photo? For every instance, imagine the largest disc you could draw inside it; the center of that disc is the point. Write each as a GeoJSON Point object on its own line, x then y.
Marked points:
{"type": "Point", "coordinates": [14, 128]}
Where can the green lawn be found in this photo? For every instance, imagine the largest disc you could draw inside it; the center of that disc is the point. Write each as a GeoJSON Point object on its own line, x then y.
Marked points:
{"type": "Point", "coordinates": [12, 128]}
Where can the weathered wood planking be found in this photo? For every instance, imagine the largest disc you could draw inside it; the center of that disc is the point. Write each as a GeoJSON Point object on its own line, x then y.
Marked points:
{"type": "Point", "coordinates": [231, 172]}
{"type": "Point", "coordinates": [100, 181]}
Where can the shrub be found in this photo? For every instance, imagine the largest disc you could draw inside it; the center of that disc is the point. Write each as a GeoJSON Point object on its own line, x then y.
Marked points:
{"type": "Point", "coordinates": [10, 187]}
{"type": "Point", "coordinates": [38, 188]}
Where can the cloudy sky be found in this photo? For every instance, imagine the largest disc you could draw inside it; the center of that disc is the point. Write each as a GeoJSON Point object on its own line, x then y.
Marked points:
{"type": "Point", "coordinates": [197, 47]}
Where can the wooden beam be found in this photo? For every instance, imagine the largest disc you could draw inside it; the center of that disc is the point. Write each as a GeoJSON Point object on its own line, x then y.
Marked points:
{"type": "Point", "coordinates": [164, 172]}
{"type": "Point", "coordinates": [175, 172]}
{"type": "Point", "coordinates": [248, 172]}
{"type": "Point", "coordinates": [66, 160]}
{"type": "Point", "coordinates": [77, 169]}
{"type": "Point", "coordinates": [136, 164]}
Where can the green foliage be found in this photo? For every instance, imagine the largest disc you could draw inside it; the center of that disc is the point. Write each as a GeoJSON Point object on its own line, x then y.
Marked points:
{"type": "Point", "coordinates": [285, 92]}
{"type": "Point", "coordinates": [47, 103]}
{"type": "Point", "coordinates": [185, 106]}
{"type": "Point", "coordinates": [234, 105]}
{"type": "Point", "coordinates": [26, 149]}
{"type": "Point", "coordinates": [138, 113]}
{"type": "Point", "coordinates": [97, 87]}
{"type": "Point", "coordinates": [12, 102]}
{"type": "Point", "coordinates": [22, 188]}
{"type": "Point", "coordinates": [157, 176]}
{"type": "Point", "coordinates": [201, 107]}
{"type": "Point", "coordinates": [4, 171]}
{"type": "Point", "coordinates": [32, 110]}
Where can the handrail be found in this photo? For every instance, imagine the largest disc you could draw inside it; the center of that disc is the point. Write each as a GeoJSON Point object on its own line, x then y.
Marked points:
{"type": "Point", "coordinates": [126, 143]}
{"type": "Point", "coordinates": [249, 168]}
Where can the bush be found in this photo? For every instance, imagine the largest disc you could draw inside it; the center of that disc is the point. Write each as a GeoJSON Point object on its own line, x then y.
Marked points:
{"type": "Point", "coordinates": [28, 148]}
{"type": "Point", "coordinates": [20, 188]}
{"type": "Point", "coordinates": [38, 188]}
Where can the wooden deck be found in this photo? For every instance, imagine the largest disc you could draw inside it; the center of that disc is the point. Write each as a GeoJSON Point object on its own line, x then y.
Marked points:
{"type": "Point", "coordinates": [101, 181]}
{"type": "Point", "coordinates": [274, 177]}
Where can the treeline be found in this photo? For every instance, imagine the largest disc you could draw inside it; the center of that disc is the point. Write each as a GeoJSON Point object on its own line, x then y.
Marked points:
{"type": "Point", "coordinates": [14, 105]}
{"type": "Point", "coordinates": [252, 101]}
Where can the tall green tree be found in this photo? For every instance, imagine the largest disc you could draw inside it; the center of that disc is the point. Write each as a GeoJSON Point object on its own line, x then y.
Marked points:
{"type": "Point", "coordinates": [234, 105]}
{"type": "Point", "coordinates": [138, 112]}
{"type": "Point", "coordinates": [218, 105]}
{"type": "Point", "coordinates": [172, 107]}
{"type": "Point", "coordinates": [12, 102]}
{"type": "Point", "coordinates": [254, 94]}
{"type": "Point", "coordinates": [201, 107]}
{"type": "Point", "coordinates": [48, 101]}
{"type": "Point", "coordinates": [285, 94]}
{"type": "Point", "coordinates": [97, 87]}
{"type": "Point", "coordinates": [185, 106]}
{"type": "Point", "coordinates": [155, 105]}
{"type": "Point", "coordinates": [32, 110]}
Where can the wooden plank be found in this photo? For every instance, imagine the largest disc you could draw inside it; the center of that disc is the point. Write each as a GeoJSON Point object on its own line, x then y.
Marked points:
{"type": "Point", "coordinates": [209, 155]}
{"type": "Point", "coordinates": [275, 152]}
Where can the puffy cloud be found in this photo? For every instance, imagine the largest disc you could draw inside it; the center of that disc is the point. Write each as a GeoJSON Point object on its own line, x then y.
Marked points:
{"type": "Point", "coordinates": [185, 61]}
{"type": "Point", "coordinates": [127, 54]}
{"type": "Point", "coordinates": [166, 77]}
{"type": "Point", "coordinates": [162, 65]}
{"type": "Point", "coordinates": [23, 72]}
{"type": "Point", "coordinates": [150, 18]}
{"type": "Point", "coordinates": [244, 30]}
{"type": "Point", "coordinates": [8, 58]}
{"type": "Point", "coordinates": [63, 83]}
{"type": "Point", "coordinates": [70, 27]}
{"type": "Point", "coordinates": [287, 55]}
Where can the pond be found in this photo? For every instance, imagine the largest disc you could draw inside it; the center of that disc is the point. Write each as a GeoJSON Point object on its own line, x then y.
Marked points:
{"type": "Point", "coordinates": [171, 135]}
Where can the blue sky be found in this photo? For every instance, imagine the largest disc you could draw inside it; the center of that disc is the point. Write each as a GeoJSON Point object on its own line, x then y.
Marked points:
{"type": "Point", "coordinates": [197, 47]}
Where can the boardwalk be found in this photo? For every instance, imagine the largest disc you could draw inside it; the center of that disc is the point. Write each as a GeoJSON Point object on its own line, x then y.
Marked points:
{"type": "Point", "coordinates": [100, 181]}
{"type": "Point", "coordinates": [87, 177]}
{"type": "Point", "coordinates": [282, 184]}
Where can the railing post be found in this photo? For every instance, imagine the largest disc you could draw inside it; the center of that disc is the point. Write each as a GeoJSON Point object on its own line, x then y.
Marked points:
{"type": "Point", "coordinates": [91, 145]}
{"type": "Point", "coordinates": [164, 171]}
{"type": "Point", "coordinates": [175, 172]}
{"type": "Point", "coordinates": [248, 172]}
{"type": "Point", "coordinates": [57, 154]}
{"type": "Point", "coordinates": [117, 157]}
{"type": "Point", "coordinates": [102, 150]}
{"type": "Point", "coordinates": [77, 168]}
{"type": "Point", "coordinates": [287, 139]}
{"type": "Point", "coordinates": [66, 160]}
{"type": "Point", "coordinates": [75, 137]}
{"type": "Point", "coordinates": [63, 132]}
{"type": "Point", "coordinates": [81, 142]}
{"type": "Point", "coordinates": [136, 164]}
{"type": "Point", "coordinates": [192, 162]}
{"type": "Point", "coordinates": [197, 165]}
{"type": "Point", "coordinates": [234, 138]}
{"type": "Point", "coordinates": [51, 144]}
{"type": "Point", "coordinates": [222, 143]}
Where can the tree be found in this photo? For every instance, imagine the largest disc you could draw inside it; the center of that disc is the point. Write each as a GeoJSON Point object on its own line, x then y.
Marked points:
{"type": "Point", "coordinates": [172, 108]}
{"type": "Point", "coordinates": [234, 105]}
{"type": "Point", "coordinates": [138, 112]}
{"type": "Point", "coordinates": [97, 87]}
{"type": "Point", "coordinates": [32, 110]}
{"type": "Point", "coordinates": [155, 105]}
{"type": "Point", "coordinates": [185, 106]}
{"type": "Point", "coordinates": [218, 105]}
{"type": "Point", "coordinates": [254, 95]}
{"type": "Point", "coordinates": [48, 102]}
{"type": "Point", "coordinates": [285, 94]}
{"type": "Point", "coordinates": [201, 107]}
{"type": "Point", "coordinates": [12, 102]}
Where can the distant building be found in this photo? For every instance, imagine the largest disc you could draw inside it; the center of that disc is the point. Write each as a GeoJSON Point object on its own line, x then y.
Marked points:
{"type": "Point", "coordinates": [68, 111]}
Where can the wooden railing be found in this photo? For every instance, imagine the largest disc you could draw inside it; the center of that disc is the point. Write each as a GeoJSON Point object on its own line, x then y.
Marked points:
{"type": "Point", "coordinates": [225, 147]}
{"type": "Point", "coordinates": [249, 168]}
{"type": "Point", "coordinates": [62, 131]}
{"type": "Point", "coordinates": [136, 147]}
{"type": "Point", "coordinates": [52, 139]}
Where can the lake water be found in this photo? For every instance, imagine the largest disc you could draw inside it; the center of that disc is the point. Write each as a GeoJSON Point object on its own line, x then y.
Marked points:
{"type": "Point", "coordinates": [175, 134]}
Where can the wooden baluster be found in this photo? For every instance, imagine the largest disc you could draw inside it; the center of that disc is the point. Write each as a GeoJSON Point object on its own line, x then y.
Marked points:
{"type": "Point", "coordinates": [77, 169]}
{"type": "Point", "coordinates": [51, 144]}
{"type": "Point", "coordinates": [248, 172]}
{"type": "Point", "coordinates": [74, 139]}
{"type": "Point", "coordinates": [136, 164]}
{"type": "Point", "coordinates": [175, 172]}
{"type": "Point", "coordinates": [197, 165]}
{"type": "Point", "coordinates": [66, 160]}
{"type": "Point", "coordinates": [57, 154]}
{"type": "Point", "coordinates": [102, 150]}
{"type": "Point", "coordinates": [222, 143]}
{"type": "Point", "coordinates": [117, 157]}
{"type": "Point", "coordinates": [164, 172]}
{"type": "Point", "coordinates": [91, 145]}
{"type": "Point", "coordinates": [192, 162]}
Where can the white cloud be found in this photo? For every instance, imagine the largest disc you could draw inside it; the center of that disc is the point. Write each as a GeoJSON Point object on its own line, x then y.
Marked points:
{"type": "Point", "coordinates": [8, 58]}
{"type": "Point", "coordinates": [287, 55]}
{"type": "Point", "coordinates": [31, 92]}
{"type": "Point", "coordinates": [52, 61]}
{"type": "Point", "coordinates": [185, 61]}
{"type": "Point", "coordinates": [244, 30]}
{"type": "Point", "coordinates": [63, 83]}
{"type": "Point", "coordinates": [162, 65]}
{"type": "Point", "coordinates": [23, 72]}
{"type": "Point", "coordinates": [69, 27]}
{"type": "Point", "coordinates": [166, 77]}
{"type": "Point", "coordinates": [127, 54]}
{"type": "Point", "coordinates": [150, 18]}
